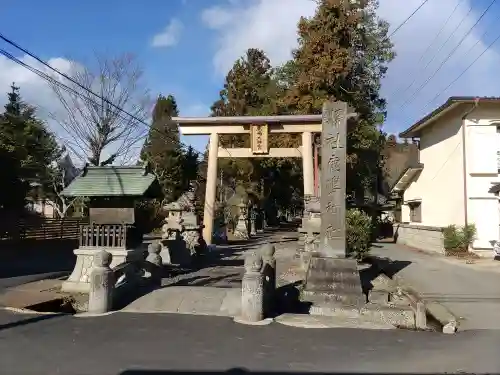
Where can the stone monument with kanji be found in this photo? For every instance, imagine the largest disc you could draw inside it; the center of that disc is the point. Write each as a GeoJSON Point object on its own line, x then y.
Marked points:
{"type": "Point", "coordinates": [331, 276]}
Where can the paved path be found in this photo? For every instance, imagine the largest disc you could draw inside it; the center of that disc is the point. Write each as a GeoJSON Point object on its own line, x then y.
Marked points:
{"type": "Point", "coordinates": [215, 289]}
{"type": "Point", "coordinates": [469, 293]}
{"type": "Point", "coordinates": [119, 342]}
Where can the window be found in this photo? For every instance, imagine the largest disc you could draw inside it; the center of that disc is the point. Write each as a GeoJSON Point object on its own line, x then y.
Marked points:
{"type": "Point", "coordinates": [415, 212]}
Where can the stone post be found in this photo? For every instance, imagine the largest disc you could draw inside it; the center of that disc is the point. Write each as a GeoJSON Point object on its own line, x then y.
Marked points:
{"type": "Point", "coordinates": [102, 284]}
{"type": "Point", "coordinates": [420, 316]}
{"type": "Point", "coordinates": [252, 290]}
{"type": "Point", "coordinates": [269, 272]}
{"type": "Point", "coordinates": [156, 263]}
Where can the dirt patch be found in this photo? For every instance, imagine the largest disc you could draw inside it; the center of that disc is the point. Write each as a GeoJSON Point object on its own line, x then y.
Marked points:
{"type": "Point", "coordinates": [461, 254]}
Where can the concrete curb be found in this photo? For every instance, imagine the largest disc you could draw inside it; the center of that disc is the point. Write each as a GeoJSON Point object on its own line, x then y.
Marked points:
{"type": "Point", "coordinates": [448, 321]}
{"type": "Point", "coordinates": [93, 315]}
{"type": "Point", "coordinates": [263, 322]}
{"type": "Point", "coordinates": [30, 312]}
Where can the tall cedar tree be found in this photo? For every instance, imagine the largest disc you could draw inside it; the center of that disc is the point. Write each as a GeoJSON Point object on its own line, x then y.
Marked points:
{"type": "Point", "coordinates": [27, 151]}
{"type": "Point", "coordinates": [162, 150]}
{"type": "Point", "coordinates": [342, 55]}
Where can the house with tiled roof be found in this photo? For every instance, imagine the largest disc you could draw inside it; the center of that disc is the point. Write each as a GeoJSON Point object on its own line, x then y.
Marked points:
{"type": "Point", "coordinates": [453, 179]}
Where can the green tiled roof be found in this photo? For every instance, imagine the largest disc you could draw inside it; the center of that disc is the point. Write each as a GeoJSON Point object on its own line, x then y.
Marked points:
{"type": "Point", "coordinates": [110, 181]}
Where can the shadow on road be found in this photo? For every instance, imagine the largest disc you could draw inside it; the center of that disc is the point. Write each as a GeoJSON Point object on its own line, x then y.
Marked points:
{"type": "Point", "coordinates": [36, 257]}
{"type": "Point", "coordinates": [24, 322]}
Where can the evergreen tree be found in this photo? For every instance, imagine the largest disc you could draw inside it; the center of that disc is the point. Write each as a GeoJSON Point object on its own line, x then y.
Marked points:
{"type": "Point", "coordinates": [245, 92]}
{"type": "Point", "coordinates": [28, 151]}
{"type": "Point", "coordinates": [189, 167]}
{"type": "Point", "coordinates": [162, 149]}
{"type": "Point", "coordinates": [343, 54]}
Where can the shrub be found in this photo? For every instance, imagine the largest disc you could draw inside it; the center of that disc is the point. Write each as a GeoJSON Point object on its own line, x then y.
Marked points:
{"type": "Point", "coordinates": [358, 233]}
{"type": "Point", "coordinates": [451, 237]}
{"type": "Point", "coordinates": [455, 238]}
{"type": "Point", "coordinates": [469, 235]}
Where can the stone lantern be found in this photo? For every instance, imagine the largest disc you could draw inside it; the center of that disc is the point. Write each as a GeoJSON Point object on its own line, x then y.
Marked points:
{"type": "Point", "coordinates": [181, 238]}
{"type": "Point", "coordinates": [241, 230]}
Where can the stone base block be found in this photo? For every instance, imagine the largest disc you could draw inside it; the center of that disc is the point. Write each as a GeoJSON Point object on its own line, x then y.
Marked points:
{"type": "Point", "coordinates": [333, 280]}
{"type": "Point", "coordinates": [319, 321]}
{"type": "Point", "coordinates": [398, 316]}
{"type": "Point", "coordinates": [79, 280]}
{"type": "Point", "coordinates": [241, 234]}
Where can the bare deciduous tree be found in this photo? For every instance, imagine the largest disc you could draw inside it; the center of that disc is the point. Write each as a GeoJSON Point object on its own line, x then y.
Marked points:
{"type": "Point", "coordinates": [98, 131]}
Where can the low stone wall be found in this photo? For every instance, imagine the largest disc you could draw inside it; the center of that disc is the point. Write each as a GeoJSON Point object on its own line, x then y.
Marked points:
{"type": "Point", "coordinates": [420, 237]}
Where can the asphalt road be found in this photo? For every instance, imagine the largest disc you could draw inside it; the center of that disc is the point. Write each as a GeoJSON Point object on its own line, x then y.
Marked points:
{"type": "Point", "coordinates": [114, 344]}
{"type": "Point", "coordinates": [19, 280]}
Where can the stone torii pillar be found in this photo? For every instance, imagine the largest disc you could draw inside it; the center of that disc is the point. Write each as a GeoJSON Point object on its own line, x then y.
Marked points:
{"type": "Point", "coordinates": [211, 188]}
{"type": "Point", "coordinates": [307, 163]}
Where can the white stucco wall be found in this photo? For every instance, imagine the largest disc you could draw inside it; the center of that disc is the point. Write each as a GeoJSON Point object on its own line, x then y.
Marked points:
{"type": "Point", "coordinates": [440, 184]}
{"type": "Point", "coordinates": [482, 144]}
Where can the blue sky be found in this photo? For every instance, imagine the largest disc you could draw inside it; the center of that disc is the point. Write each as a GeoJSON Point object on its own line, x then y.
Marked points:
{"type": "Point", "coordinates": [198, 40]}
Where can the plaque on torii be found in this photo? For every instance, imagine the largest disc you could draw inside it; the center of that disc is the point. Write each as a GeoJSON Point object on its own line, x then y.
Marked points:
{"type": "Point", "coordinates": [259, 139]}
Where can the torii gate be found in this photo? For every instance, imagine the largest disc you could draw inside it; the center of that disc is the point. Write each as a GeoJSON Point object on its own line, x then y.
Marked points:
{"type": "Point", "coordinates": [259, 127]}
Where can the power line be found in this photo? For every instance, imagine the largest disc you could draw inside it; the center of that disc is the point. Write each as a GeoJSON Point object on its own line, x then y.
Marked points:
{"type": "Point", "coordinates": [65, 87]}
{"type": "Point", "coordinates": [51, 79]}
{"type": "Point", "coordinates": [408, 18]}
{"type": "Point", "coordinates": [34, 56]}
{"type": "Point", "coordinates": [14, 44]}
{"type": "Point", "coordinates": [405, 90]}
{"type": "Point", "coordinates": [465, 70]}
{"type": "Point", "coordinates": [449, 55]}
{"type": "Point", "coordinates": [435, 39]}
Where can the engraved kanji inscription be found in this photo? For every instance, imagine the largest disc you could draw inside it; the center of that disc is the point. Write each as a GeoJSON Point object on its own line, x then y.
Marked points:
{"type": "Point", "coordinates": [333, 159]}
{"type": "Point", "coordinates": [333, 140]}
{"type": "Point", "coordinates": [338, 117]}
{"type": "Point", "coordinates": [332, 232]}
{"type": "Point", "coordinates": [334, 164]}
{"type": "Point", "coordinates": [332, 185]}
{"type": "Point", "coordinates": [332, 208]}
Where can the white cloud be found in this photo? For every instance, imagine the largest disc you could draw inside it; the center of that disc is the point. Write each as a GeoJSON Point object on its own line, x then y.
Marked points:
{"type": "Point", "coordinates": [265, 24]}
{"type": "Point", "coordinates": [269, 25]}
{"type": "Point", "coordinates": [170, 36]}
{"type": "Point", "coordinates": [429, 89]}
{"type": "Point", "coordinates": [33, 88]}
